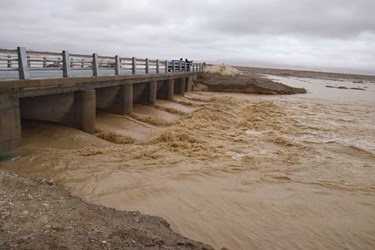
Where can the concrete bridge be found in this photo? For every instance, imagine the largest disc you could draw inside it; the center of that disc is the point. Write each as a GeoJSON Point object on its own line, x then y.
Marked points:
{"type": "Point", "coordinates": [71, 90]}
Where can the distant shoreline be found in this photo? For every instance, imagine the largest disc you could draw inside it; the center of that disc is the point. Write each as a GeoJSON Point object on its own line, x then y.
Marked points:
{"type": "Point", "coordinates": [305, 73]}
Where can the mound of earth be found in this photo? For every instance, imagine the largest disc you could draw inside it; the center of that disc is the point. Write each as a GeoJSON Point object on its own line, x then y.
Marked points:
{"type": "Point", "coordinates": [224, 70]}
{"type": "Point", "coordinates": [36, 214]}
{"type": "Point", "coordinates": [243, 83]}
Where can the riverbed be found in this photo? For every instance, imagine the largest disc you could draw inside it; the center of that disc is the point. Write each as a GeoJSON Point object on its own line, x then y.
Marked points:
{"type": "Point", "coordinates": [232, 170]}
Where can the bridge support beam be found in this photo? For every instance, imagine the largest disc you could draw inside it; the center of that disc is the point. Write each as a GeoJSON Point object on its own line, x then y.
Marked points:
{"type": "Point", "coordinates": [170, 83]}
{"type": "Point", "coordinates": [182, 86]}
{"type": "Point", "coordinates": [86, 110]}
{"type": "Point", "coordinates": [10, 122]}
{"type": "Point", "coordinates": [76, 109]}
{"type": "Point", "coordinates": [115, 99]}
{"type": "Point", "coordinates": [127, 93]}
{"type": "Point", "coordinates": [189, 84]}
{"type": "Point", "coordinates": [153, 93]}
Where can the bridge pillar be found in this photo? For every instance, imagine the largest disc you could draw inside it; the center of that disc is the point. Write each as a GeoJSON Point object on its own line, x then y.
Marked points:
{"type": "Point", "coordinates": [153, 92]}
{"type": "Point", "coordinates": [182, 86]}
{"type": "Point", "coordinates": [86, 110]}
{"type": "Point", "coordinates": [189, 84]}
{"type": "Point", "coordinates": [116, 99]}
{"type": "Point", "coordinates": [170, 83]}
{"type": "Point", "coordinates": [127, 91]}
{"type": "Point", "coordinates": [10, 122]}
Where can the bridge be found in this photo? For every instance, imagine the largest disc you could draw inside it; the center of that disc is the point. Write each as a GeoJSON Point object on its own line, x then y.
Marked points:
{"type": "Point", "coordinates": [68, 89]}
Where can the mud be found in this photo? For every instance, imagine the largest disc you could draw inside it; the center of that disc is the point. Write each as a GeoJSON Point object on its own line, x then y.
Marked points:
{"type": "Point", "coordinates": [246, 83]}
{"type": "Point", "coordinates": [238, 171]}
{"type": "Point", "coordinates": [35, 214]}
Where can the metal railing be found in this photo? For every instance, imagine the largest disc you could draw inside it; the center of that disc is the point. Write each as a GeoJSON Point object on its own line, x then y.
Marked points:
{"type": "Point", "coordinates": [23, 64]}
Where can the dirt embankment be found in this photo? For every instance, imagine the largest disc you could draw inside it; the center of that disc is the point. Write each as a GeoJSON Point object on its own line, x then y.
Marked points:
{"type": "Point", "coordinates": [228, 79]}
{"type": "Point", "coordinates": [36, 214]}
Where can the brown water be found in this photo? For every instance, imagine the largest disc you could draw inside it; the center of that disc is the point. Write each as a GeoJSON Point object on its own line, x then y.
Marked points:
{"type": "Point", "coordinates": [232, 170]}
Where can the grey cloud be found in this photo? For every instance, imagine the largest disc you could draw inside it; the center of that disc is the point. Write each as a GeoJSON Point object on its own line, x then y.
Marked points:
{"type": "Point", "coordinates": [297, 32]}
{"type": "Point", "coordinates": [332, 18]}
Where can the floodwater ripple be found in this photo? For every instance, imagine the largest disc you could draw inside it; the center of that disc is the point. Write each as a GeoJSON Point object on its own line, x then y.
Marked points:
{"type": "Point", "coordinates": [232, 170]}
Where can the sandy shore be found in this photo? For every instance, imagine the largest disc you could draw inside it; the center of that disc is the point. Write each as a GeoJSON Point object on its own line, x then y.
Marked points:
{"type": "Point", "coordinates": [36, 214]}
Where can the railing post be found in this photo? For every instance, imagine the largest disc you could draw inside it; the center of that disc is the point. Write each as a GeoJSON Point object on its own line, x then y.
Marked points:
{"type": "Point", "coordinates": [174, 66]}
{"type": "Point", "coordinates": [9, 63]}
{"type": "Point", "coordinates": [134, 65]}
{"type": "Point", "coordinates": [180, 66]}
{"type": "Point", "coordinates": [117, 65]}
{"type": "Point", "coordinates": [82, 62]}
{"type": "Point", "coordinates": [95, 65]}
{"type": "Point", "coordinates": [185, 67]}
{"type": "Point", "coordinates": [44, 62]}
{"type": "Point", "coordinates": [66, 64]}
{"type": "Point", "coordinates": [166, 66]}
{"type": "Point", "coordinates": [23, 68]}
{"type": "Point", "coordinates": [192, 67]}
{"type": "Point", "coordinates": [28, 61]}
{"type": "Point", "coordinates": [147, 66]}
{"type": "Point", "coordinates": [157, 66]}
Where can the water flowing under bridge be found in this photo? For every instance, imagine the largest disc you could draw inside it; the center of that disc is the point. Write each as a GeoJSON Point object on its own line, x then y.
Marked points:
{"type": "Point", "coordinates": [68, 88]}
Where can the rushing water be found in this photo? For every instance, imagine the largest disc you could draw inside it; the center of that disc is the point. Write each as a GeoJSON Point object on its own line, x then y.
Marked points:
{"type": "Point", "coordinates": [232, 170]}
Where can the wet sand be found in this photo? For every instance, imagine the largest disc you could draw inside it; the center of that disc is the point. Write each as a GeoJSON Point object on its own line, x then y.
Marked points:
{"type": "Point", "coordinates": [35, 214]}
{"type": "Point", "coordinates": [238, 171]}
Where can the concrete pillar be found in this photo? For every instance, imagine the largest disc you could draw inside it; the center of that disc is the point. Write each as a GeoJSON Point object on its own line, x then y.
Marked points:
{"type": "Point", "coordinates": [182, 86]}
{"type": "Point", "coordinates": [189, 84]}
{"type": "Point", "coordinates": [23, 66]}
{"type": "Point", "coordinates": [134, 65]}
{"type": "Point", "coordinates": [117, 65]}
{"type": "Point", "coordinates": [86, 110]}
{"type": "Point", "coordinates": [10, 122]}
{"type": "Point", "coordinates": [152, 93]}
{"type": "Point", "coordinates": [66, 64]}
{"type": "Point", "coordinates": [127, 99]}
{"type": "Point", "coordinates": [170, 83]}
{"type": "Point", "coordinates": [147, 66]}
{"type": "Point", "coordinates": [174, 66]}
{"type": "Point", "coordinates": [157, 66]}
{"type": "Point", "coordinates": [95, 65]}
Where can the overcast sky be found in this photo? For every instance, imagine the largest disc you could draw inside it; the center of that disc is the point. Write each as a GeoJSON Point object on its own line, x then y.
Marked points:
{"type": "Point", "coordinates": [328, 34]}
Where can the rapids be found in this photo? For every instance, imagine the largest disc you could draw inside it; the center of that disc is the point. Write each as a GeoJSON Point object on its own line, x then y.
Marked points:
{"type": "Point", "coordinates": [231, 170]}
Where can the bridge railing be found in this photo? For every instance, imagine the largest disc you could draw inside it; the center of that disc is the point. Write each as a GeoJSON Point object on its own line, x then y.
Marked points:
{"type": "Point", "coordinates": [26, 64]}
{"type": "Point", "coordinates": [8, 60]}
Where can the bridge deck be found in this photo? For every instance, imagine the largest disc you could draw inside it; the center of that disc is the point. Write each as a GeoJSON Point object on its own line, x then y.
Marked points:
{"type": "Point", "coordinates": [36, 87]}
{"type": "Point", "coordinates": [71, 87]}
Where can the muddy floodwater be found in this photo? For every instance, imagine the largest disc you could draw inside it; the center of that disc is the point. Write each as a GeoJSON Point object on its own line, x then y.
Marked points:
{"type": "Point", "coordinates": [231, 170]}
